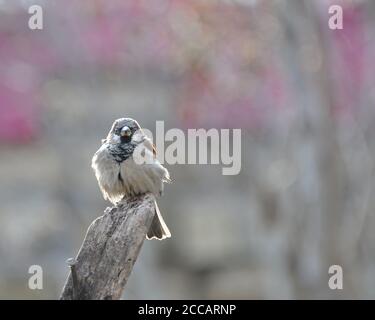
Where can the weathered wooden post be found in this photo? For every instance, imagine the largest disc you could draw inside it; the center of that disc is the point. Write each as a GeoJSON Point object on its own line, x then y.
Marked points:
{"type": "Point", "coordinates": [109, 251]}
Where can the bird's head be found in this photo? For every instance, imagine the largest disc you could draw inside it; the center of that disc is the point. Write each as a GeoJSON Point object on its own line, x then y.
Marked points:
{"type": "Point", "coordinates": [124, 130]}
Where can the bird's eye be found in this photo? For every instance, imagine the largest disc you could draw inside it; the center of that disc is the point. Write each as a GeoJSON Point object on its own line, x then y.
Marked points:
{"type": "Point", "coordinates": [125, 132]}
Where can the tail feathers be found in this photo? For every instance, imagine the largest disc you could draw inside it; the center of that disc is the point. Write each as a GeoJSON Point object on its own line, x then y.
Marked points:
{"type": "Point", "coordinates": [158, 229]}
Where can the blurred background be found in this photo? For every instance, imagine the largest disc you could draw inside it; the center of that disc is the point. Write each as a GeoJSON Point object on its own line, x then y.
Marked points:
{"type": "Point", "coordinates": [302, 94]}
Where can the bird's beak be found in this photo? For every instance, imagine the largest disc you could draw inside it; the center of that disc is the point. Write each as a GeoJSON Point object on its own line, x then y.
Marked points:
{"type": "Point", "coordinates": [125, 132]}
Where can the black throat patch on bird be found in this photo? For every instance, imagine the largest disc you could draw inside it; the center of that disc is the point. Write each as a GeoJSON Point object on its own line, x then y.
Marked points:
{"type": "Point", "coordinates": [121, 151]}
{"type": "Point", "coordinates": [125, 139]}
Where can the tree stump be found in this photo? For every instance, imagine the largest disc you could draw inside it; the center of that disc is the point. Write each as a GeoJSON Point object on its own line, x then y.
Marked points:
{"type": "Point", "coordinates": [109, 251]}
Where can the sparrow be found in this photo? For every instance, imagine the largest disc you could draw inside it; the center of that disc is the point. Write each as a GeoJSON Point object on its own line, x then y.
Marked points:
{"type": "Point", "coordinates": [121, 175]}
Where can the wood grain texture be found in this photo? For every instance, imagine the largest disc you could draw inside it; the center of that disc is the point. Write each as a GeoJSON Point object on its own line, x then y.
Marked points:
{"type": "Point", "coordinates": [109, 251]}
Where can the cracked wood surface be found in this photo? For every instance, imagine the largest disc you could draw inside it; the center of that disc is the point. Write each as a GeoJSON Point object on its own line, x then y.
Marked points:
{"type": "Point", "coordinates": [109, 251]}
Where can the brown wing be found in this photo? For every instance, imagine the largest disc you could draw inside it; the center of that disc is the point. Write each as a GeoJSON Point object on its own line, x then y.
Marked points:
{"type": "Point", "coordinates": [149, 144]}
